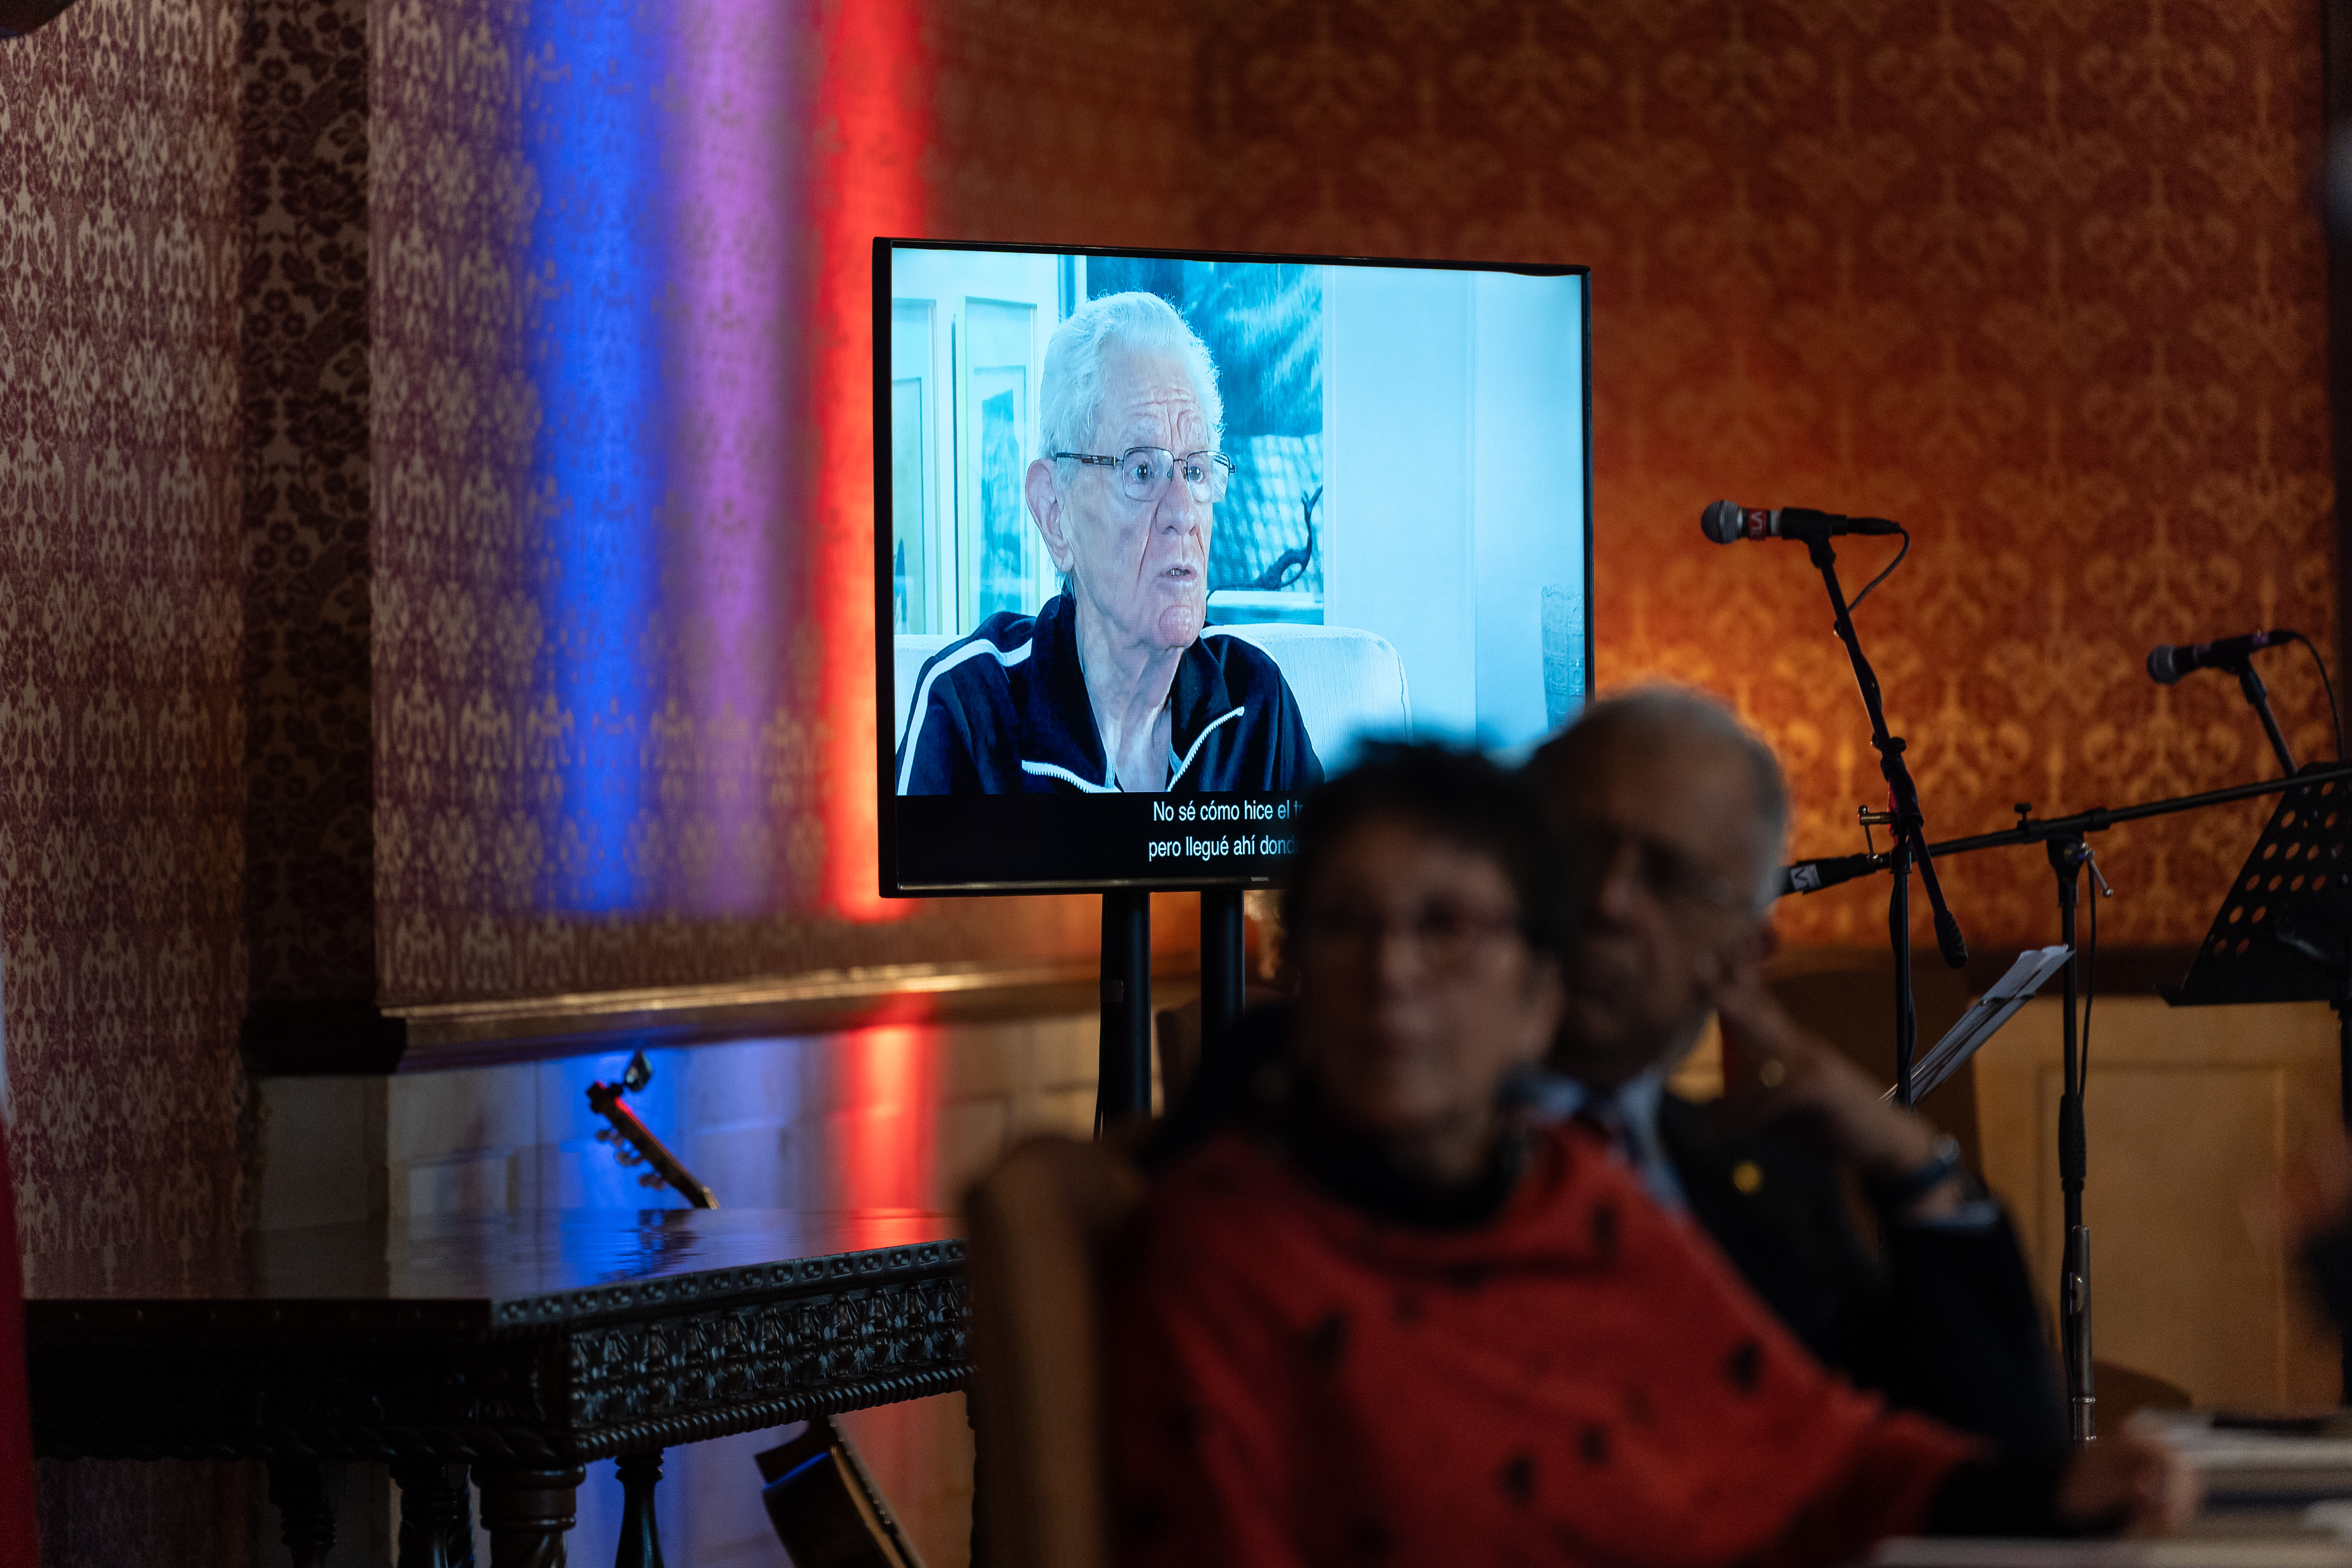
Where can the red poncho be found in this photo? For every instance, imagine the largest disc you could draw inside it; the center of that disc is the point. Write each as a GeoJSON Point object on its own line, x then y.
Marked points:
{"type": "Point", "coordinates": [1581, 1381]}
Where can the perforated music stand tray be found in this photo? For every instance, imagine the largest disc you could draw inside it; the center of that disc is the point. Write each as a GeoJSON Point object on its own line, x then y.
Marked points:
{"type": "Point", "coordinates": [2280, 935]}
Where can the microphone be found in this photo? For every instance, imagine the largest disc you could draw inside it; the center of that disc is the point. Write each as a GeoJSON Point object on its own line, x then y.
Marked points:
{"type": "Point", "coordinates": [2168, 663]}
{"type": "Point", "coordinates": [1812, 876]}
{"type": "Point", "coordinates": [1724, 523]}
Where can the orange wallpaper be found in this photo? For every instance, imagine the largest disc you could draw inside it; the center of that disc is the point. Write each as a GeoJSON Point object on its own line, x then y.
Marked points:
{"type": "Point", "coordinates": [2040, 280]}
{"type": "Point", "coordinates": [2040, 277]}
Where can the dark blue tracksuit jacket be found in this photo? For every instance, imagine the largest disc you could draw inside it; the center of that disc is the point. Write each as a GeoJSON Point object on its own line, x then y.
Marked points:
{"type": "Point", "coordinates": [1004, 711]}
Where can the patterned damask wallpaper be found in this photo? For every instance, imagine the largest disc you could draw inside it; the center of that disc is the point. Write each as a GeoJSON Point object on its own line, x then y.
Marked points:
{"type": "Point", "coordinates": [302, 326]}
{"type": "Point", "coordinates": [2042, 277]}
{"type": "Point", "coordinates": [2039, 276]}
{"type": "Point", "coordinates": [122, 735]}
{"type": "Point", "coordinates": [122, 728]}
{"type": "Point", "coordinates": [1888, 256]}
{"type": "Point", "coordinates": [623, 716]}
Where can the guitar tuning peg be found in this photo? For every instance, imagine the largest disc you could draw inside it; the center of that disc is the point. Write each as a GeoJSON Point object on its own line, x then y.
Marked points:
{"type": "Point", "coordinates": [640, 1073]}
{"type": "Point", "coordinates": [651, 1178]}
{"type": "Point", "coordinates": [603, 1135]}
{"type": "Point", "coordinates": [628, 1157]}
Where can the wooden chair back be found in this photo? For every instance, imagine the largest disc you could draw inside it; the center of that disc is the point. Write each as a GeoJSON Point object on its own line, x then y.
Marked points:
{"type": "Point", "coordinates": [1041, 1221]}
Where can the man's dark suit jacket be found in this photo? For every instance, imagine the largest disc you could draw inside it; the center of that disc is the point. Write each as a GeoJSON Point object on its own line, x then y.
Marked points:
{"type": "Point", "coordinates": [1945, 1324]}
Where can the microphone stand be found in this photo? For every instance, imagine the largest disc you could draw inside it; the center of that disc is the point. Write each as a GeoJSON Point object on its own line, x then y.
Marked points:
{"type": "Point", "coordinates": [1910, 828]}
{"type": "Point", "coordinates": [2063, 838]}
{"type": "Point", "coordinates": [2259, 695]}
{"type": "Point", "coordinates": [2068, 855]}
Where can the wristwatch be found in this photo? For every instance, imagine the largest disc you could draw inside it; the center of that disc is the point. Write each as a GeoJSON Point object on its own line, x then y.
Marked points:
{"type": "Point", "coordinates": [1899, 1193]}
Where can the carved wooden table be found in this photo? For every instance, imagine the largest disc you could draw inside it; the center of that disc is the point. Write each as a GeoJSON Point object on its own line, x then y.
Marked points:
{"type": "Point", "coordinates": [517, 1347]}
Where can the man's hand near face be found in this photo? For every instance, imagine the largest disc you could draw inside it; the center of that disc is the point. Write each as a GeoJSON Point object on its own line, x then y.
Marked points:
{"type": "Point", "coordinates": [1776, 1073]}
{"type": "Point", "coordinates": [1674, 815]}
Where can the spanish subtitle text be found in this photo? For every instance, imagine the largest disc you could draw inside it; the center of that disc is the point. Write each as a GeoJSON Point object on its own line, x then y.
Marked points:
{"type": "Point", "coordinates": [1220, 828]}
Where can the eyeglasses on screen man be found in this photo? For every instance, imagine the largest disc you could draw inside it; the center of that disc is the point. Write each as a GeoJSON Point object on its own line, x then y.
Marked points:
{"type": "Point", "coordinates": [1144, 471]}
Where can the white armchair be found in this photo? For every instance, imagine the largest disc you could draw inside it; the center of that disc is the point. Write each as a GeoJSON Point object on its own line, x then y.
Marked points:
{"type": "Point", "coordinates": [906, 664]}
{"type": "Point", "coordinates": [1349, 685]}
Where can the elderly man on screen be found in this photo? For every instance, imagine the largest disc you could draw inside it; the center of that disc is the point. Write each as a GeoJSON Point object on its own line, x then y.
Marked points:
{"type": "Point", "coordinates": [1115, 684]}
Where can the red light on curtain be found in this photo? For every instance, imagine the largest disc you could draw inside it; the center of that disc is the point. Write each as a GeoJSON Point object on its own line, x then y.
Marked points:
{"type": "Point", "coordinates": [873, 122]}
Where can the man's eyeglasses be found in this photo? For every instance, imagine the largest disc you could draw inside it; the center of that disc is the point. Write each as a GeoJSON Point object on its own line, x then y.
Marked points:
{"type": "Point", "coordinates": [1664, 870]}
{"type": "Point", "coordinates": [1445, 937]}
{"type": "Point", "coordinates": [1143, 472]}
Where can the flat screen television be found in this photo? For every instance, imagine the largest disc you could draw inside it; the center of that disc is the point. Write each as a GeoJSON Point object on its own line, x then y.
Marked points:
{"type": "Point", "coordinates": [1162, 537]}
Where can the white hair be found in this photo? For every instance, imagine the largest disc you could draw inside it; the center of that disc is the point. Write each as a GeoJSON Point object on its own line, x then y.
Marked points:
{"type": "Point", "coordinates": [1073, 391]}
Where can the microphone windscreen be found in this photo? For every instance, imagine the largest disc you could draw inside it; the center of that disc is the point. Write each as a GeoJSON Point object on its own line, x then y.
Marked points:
{"type": "Point", "coordinates": [1723, 522]}
{"type": "Point", "coordinates": [1949, 940]}
{"type": "Point", "coordinates": [2160, 667]}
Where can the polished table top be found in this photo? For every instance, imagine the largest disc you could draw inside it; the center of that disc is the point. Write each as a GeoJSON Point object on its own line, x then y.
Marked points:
{"type": "Point", "coordinates": [523, 1345]}
{"type": "Point", "coordinates": [484, 1271]}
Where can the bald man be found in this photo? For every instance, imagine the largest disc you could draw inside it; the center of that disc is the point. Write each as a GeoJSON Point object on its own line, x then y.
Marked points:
{"type": "Point", "coordinates": [1676, 816]}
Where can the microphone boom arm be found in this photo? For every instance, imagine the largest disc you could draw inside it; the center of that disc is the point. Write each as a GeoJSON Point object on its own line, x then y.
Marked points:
{"type": "Point", "coordinates": [1809, 876]}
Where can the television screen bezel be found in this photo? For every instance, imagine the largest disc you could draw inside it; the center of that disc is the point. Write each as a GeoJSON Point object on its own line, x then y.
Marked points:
{"type": "Point", "coordinates": [885, 681]}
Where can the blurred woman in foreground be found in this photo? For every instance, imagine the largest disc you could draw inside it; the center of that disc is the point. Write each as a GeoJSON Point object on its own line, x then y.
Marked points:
{"type": "Point", "coordinates": [1380, 1321]}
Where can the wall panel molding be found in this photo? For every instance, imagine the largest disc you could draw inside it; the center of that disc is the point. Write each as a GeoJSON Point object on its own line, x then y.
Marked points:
{"type": "Point", "coordinates": [2192, 1115]}
{"type": "Point", "coordinates": [336, 1038]}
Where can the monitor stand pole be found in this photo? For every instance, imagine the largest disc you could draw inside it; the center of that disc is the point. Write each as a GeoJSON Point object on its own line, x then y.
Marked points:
{"type": "Point", "coordinates": [1123, 1092]}
{"type": "Point", "coordinates": [1224, 979]}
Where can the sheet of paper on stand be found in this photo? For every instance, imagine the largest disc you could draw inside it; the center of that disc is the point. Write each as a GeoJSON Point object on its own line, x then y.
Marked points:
{"type": "Point", "coordinates": [2245, 1467]}
{"type": "Point", "coordinates": [1983, 1018]}
{"type": "Point", "coordinates": [2278, 1494]}
{"type": "Point", "coordinates": [2288, 1549]}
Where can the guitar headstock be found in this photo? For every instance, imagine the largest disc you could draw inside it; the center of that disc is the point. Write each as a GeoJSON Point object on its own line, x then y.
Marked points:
{"type": "Point", "coordinates": [633, 1143]}
{"type": "Point", "coordinates": [637, 1074]}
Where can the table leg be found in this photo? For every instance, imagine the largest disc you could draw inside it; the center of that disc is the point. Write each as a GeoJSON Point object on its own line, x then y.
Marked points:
{"type": "Point", "coordinates": [981, 1501]}
{"type": "Point", "coordinates": [528, 1513]}
{"type": "Point", "coordinates": [437, 1519]}
{"type": "Point", "coordinates": [640, 1532]}
{"type": "Point", "coordinates": [297, 1486]}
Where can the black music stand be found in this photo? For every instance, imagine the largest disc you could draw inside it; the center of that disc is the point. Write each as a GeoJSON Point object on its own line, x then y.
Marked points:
{"type": "Point", "coordinates": [2280, 935]}
{"type": "Point", "coordinates": [2283, 934]}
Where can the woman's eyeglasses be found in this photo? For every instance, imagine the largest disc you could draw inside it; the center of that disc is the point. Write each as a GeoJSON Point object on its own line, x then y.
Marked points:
{"type": "Point", "coordinates": [1445, 937]}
